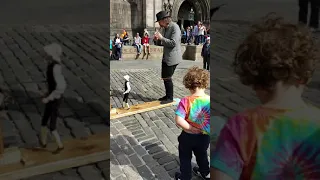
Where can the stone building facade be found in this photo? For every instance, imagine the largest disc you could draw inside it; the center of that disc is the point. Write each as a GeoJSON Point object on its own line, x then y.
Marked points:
{"type": "Point", "coordinates": [135, 15]}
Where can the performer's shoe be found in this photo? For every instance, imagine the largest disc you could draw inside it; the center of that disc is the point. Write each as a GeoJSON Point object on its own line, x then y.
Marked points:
{"type": "Point", "coordinates": [58, 150]}
{"type": "Point", "coordinates": [166, 101]}
{"type": "Point", "coordinates": [163, 98]}
{"type": "Point", "coordinates": [196, 171]}
{"type": "Point", "coordinates": [177, 176]}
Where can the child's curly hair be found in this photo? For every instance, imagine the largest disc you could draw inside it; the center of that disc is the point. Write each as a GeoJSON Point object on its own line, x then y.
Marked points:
{"type": "Point", "coordinates": [196, 78]}
{"type": "Point", "coordinates": [276, 51]}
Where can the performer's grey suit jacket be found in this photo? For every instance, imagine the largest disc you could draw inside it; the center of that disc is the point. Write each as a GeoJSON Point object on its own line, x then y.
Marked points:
{"type": "Point", "coordinates": [171, 42]}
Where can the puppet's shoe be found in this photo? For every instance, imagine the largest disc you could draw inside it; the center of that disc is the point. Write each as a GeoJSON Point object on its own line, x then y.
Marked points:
{"type": "Point", "coordinates": [42, 145]}
{"type": "Point", "coordinates": [58, 150]}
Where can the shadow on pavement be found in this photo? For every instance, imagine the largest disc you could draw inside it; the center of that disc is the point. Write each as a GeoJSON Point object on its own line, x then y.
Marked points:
{"type": "Point", "coordinates": [132, 95]}
{"type": "Point", "coordinates": [145, 160]}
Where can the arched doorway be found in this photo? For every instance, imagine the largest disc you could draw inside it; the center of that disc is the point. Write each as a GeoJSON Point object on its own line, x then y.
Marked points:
{"type": "Point", "coordinates": [186, 15]}
{"type": "Point", "coordinates": [182, 8]}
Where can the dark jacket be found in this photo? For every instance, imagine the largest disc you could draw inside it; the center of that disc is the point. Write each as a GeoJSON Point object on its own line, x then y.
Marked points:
{"type": "Point", "coordinates": [205, 50]}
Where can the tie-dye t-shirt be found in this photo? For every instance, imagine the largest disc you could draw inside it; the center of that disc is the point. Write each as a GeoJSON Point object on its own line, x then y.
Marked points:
{"type": "Point", "coordinates": [196, 111]}
{"type": "Point", "coordinates": [270, 144]}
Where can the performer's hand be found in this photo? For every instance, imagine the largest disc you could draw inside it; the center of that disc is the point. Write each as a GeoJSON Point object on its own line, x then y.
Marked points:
{"type": "Point", "coordinates": [45, 100]}
{"type": "Point", "coordinates": [158, 35]}
{"type": "Point", "coordinates": [194, 130]}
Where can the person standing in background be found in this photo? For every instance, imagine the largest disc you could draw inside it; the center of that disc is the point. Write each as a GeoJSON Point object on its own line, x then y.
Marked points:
{"type": "Point", "coordinates": [314, 16]}
{"type": "Point", "coordinates": [205, 53]}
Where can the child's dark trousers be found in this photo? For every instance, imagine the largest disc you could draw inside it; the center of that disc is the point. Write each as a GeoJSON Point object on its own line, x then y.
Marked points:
{"type": "Point", "coordinates": [198, 144]}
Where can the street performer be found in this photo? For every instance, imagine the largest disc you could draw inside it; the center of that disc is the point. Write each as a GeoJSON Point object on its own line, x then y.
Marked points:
{"type": "Point", "coordinates": [172, 56]}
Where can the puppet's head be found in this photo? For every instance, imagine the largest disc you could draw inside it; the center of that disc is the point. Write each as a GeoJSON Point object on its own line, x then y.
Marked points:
{"type": "Point", "coordinates": [126, 77]}
{"type": "Point", "coordinates": [54, 50]}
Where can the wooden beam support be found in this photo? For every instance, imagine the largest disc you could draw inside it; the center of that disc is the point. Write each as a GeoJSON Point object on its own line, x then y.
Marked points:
{"type": "Point", "coordinates": [77, 152]}
{"type": "Point", "coordinates": [139, 108]}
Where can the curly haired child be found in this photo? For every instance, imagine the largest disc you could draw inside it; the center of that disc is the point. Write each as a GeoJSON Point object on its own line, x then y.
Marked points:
{"type": "Point", "coordinates": [280, 138]}
{"type": "Point", "coordinates": [193, 116]}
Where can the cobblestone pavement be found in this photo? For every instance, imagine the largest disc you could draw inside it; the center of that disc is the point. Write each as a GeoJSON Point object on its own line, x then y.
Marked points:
{"type": "Point", "coordinates": [84, 110]}
{"type": "Point", "coordinates": [144, 146]}
{"type": "Point", "coordinates": [228, 95]}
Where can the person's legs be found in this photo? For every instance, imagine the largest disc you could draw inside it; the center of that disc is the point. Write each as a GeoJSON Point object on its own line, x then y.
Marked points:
{"type": "Point", "coordinates": [166, 74]}
{"type": "Point", "coordinates": [148, 48]}
{"type": "Point", "coordinates": [204, 62]}
{"type": "Point", "coordinates": [314, 16]}
{"type": "Point", "coordinates": [144, 49]}
{"type": "Point", "coordinates": [208, 63]}
{"type": "Point", "coordinates": [139, 47]}
{"type": "Point", "coordinates": [200, 151]}
{"type": "Point", "coordinates": [120, 54]}
{"type": "Point", "coordinates": [185, 156]}
{"type": "Point", "coordinates": [303, 11]}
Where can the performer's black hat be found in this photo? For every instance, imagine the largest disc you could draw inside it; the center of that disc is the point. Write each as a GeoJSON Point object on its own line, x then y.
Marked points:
{"type": "Point", "coordinates": [161, 15]}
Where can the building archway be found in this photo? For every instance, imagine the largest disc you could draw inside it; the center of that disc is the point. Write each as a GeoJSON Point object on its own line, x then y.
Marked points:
{"type": "Point", "coordinates": [181, 8]}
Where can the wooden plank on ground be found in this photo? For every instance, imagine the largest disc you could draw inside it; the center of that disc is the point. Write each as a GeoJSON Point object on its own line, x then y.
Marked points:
{"type": "Point", "coordinates": [139, 108]}
{"type": "Point", "coordinates": [77, 152]}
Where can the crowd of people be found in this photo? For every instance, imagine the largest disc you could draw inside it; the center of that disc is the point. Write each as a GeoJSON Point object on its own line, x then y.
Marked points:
{"type": "Point", "coordinates": [196, 35]}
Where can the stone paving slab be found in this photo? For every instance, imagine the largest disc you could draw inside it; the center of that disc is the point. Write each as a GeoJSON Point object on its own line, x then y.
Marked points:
{"type": "Point", "coordinates": [145, 146]}
{"type": "Point", "coordinates": [84, 109]}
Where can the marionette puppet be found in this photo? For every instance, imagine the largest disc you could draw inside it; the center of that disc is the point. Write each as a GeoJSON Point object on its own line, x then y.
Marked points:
{"type": "Point", "coordinates": [127, 89]}
{"type": "Point", "coordinates": [56, 86]}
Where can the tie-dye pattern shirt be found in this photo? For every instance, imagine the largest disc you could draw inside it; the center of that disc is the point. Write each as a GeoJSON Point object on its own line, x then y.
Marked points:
{"type": "Point", "coordinates": [270, 144]}
{"type": "Point", "coordinates": [196, 111]}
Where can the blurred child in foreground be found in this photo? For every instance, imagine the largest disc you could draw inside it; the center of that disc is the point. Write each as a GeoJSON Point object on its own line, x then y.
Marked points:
{"type": "Point", "coordinates": [278, 139]}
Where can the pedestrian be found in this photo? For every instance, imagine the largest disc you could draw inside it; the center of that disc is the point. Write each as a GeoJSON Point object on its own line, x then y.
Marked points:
{"type": "Point", "coordinates": [314, 16]}
{"type": "Point", "coordinates": [52, 100]}
{"type": "Point", "coordinates": [118, 44]}
{"type": "Point", "coordinates": [110, 48]}
{"type": "Point", "coordinates": [172, 55]}
{"type": "Point", "coordinates": [137, 43]}
{"type": "Point", "coordinates": [205, 53]}
{"type": "Point", "coordinates": [146, 45]}
{"type": "Point", "coordinates": [278, 139]}
{"type": "Point", "coordinates": [196, 33]}
{"type": "Point", "coordinates": [201, 30]}
{"type": "Point", "coordinates": [193, 116]}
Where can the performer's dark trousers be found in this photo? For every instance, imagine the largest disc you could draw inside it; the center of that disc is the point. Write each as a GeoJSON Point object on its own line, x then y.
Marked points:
{"type": "Point", "coordinates": [166, 74]}
{"type": "Point", "coordinates": [51, 111]}
{"type": "Point", "coordinates": [303, 12]}
{"type": "Point", "coordinates": [198, 144]}
{"type": "Point", "coordinates": [125, 97]}
{"type": "Point", "coordinates": [206, 62]}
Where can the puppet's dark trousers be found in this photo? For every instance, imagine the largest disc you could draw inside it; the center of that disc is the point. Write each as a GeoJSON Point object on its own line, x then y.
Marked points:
{"type": "Point", "coordinates": [125, 97]}
{"type": "Point", "coordinates": [51, 112]}
{"type": "Point", "coordinates": [314, 15]}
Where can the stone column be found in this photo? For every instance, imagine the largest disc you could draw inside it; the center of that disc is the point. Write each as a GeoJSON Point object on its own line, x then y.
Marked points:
{"type": "Point", "coordinates": [152, 7]}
